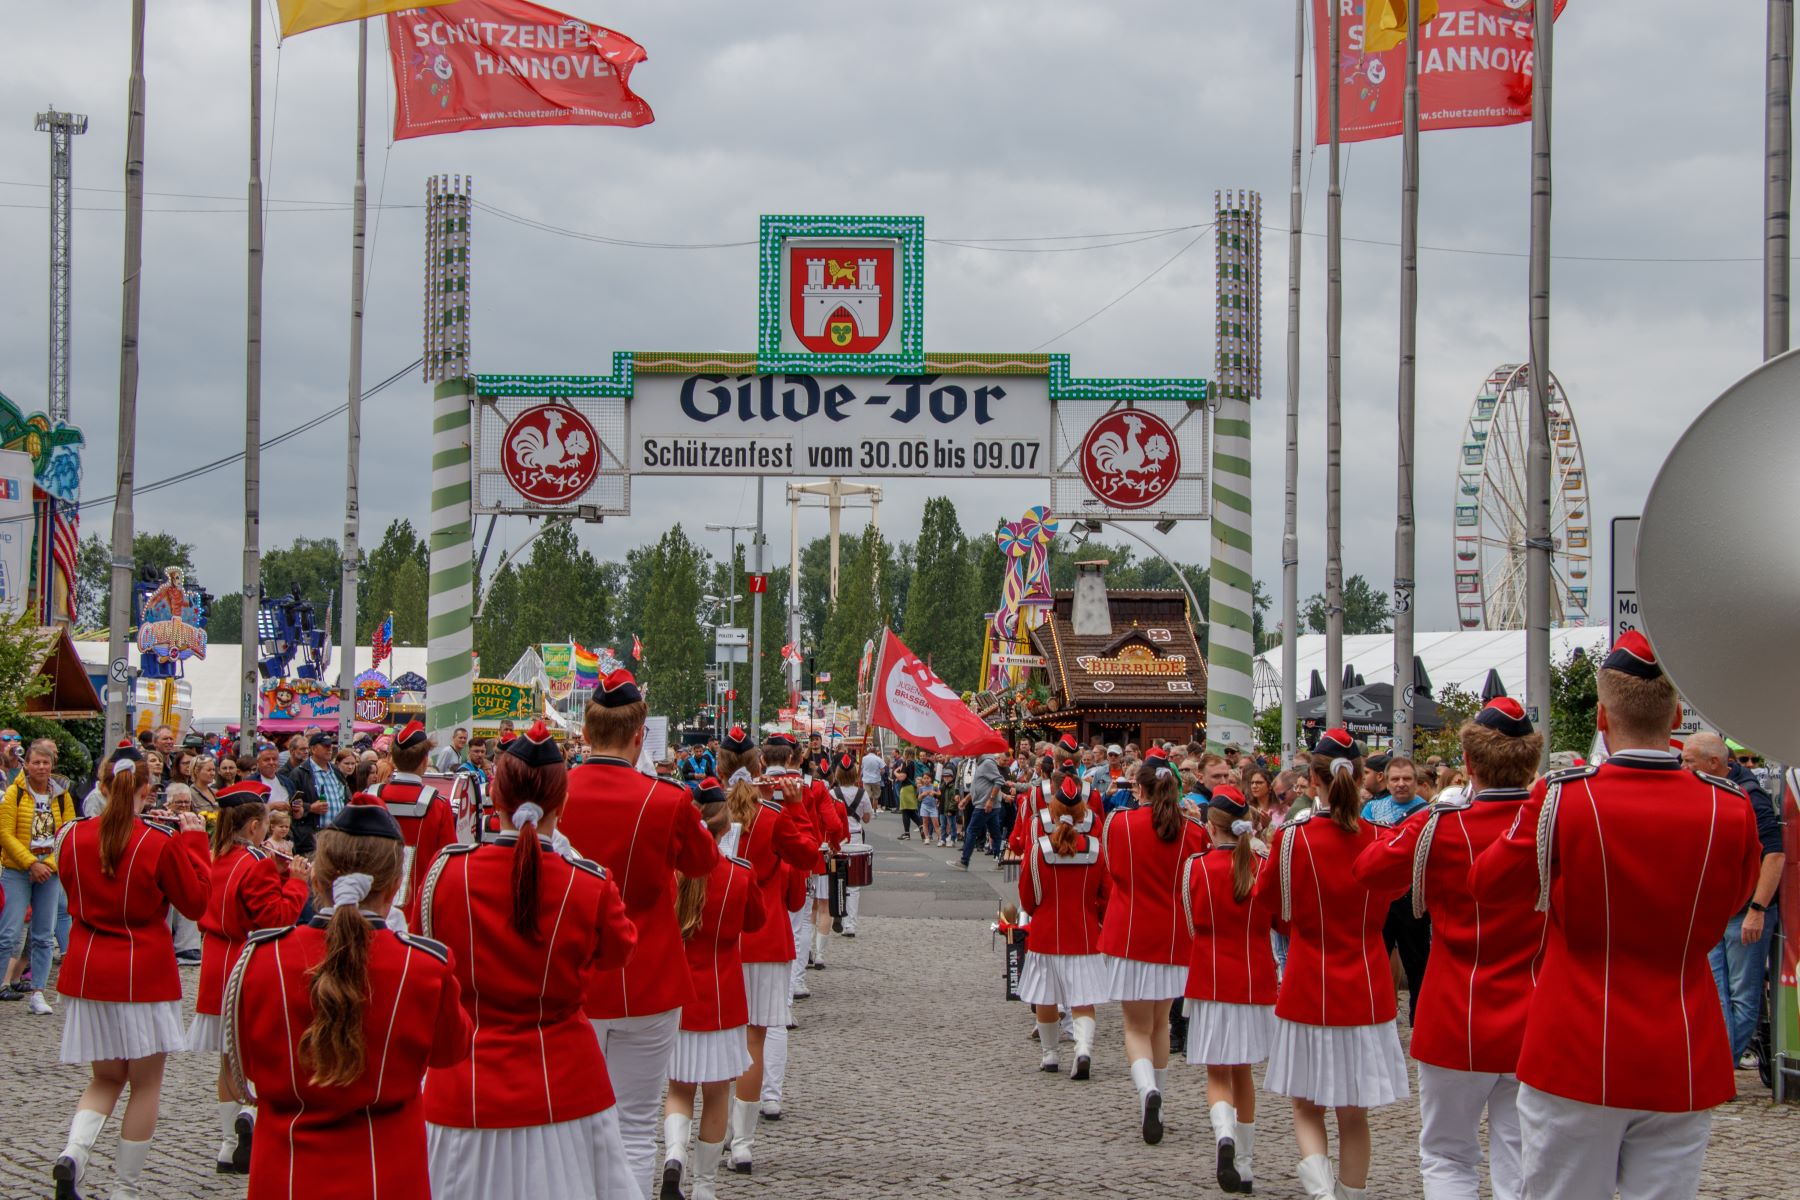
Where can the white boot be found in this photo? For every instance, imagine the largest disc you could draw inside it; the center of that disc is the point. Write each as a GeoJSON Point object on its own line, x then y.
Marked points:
{"type": "Point", "coordinates": [1345, 1192]}
{"type": "Point", "coordinates": [1246, 1142]}
{"type": "Point", "coordinates": [1161, 1075]}
{"type": "Point", "coordinates": [744, 1116]}
{"type": "Point", "coordinates": [706, 1169]}
{"type": "Point", "coordinates": [1048, 1031]}
{"type": "Point", "coordinates": [72, 1165]}
{"type": "Point", "coordinates": [675, 1139]}
{"type": "Point", "coordinates": [1149, 1100]}
{"type": "Point", "coordinates": [818, 949]}
{"type": "Point", "coordinates": [128, 1169]}
{"type": "Point", "coordinates": [227, 1111]}
{"type": "Point", "coordinates": [1224, 1126]}
{"type": "Point", "coordinates": [1318, 1177]}
{"type": "Point", "coordinates": [1084, 1047]}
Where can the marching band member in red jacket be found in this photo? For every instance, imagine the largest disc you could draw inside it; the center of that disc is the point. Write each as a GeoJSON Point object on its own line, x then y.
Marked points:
{"type": "Point", "coordinates": [530, 1111]}
{"type": "Point", "coordinates": [1231, 978]}
{"type": "Point", "coordinates": [425, 817]}
{"type": "Point", "coordinates": [645, 832]}
{"type": "Point", "coordinates": [1639, 865]}
{"type": "Point", "coordinates": [829, 818]}
{"type": "Point", "coordinates": [252, 889]}
{"type": "Point", "coordinates": [1033, 800]}
{"type": "Point", "coordinates": [1480, 976]}
{"type": "Point", "coordinates": [1061, 888]}
{"type": "Point", "coordinates": [710, 1049]}
{"type": "Point", "coordinates": [776, 838]}
{"type": "Point", "coordinates": [1143, 936]}
{"type": "Point", "coordinates": [123, 991]}
{"type": "Point", "coordinates": [847, 790]}
{"type": "Point", "coordinates": [333, 1025]}
{"type": "Point", "coordinates": [1335, 1043]}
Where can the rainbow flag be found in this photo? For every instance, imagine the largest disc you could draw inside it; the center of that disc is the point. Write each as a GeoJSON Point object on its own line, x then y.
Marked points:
{"type": "Point", "coordinates": [587, 667]}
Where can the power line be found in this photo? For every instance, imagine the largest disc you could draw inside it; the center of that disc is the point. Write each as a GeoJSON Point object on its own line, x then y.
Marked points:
{"type": "Point", "coordinates": [1194, 241]}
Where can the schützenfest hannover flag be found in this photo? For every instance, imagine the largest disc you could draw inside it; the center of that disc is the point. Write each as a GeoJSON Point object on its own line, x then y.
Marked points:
{"type": "Point", "coordinates": [1384, 22]}
{"type": "Point", "coordinates": [298, 16]}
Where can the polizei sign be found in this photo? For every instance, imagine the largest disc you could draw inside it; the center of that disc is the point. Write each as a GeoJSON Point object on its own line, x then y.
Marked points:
{"type": "Point", "coordinates": [840, 425]}
{"type": "Point", "coordinates": [841, 385]}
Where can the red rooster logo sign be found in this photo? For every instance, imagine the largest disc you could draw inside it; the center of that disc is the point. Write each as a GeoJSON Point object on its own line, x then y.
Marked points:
{"type": "Point", "coordinates": [550, 454]}
{"type": "Point", "coordinates": [1130, 459]}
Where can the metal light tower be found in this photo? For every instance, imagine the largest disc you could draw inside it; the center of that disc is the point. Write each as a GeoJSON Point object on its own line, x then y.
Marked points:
{"type": "Point", "coordinates": [61, 126]}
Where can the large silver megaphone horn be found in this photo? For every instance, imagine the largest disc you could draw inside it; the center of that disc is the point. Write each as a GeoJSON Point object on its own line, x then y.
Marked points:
{"type": "Point", "coordinates": [1719, 562]}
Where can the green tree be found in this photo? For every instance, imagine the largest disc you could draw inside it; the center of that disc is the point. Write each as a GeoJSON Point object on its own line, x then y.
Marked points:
{"type": "Point", "coordinates": [1365, 609]}
{"type": "Point", "coordinates": [560, 592]}
{"type": "Point", "coordinates": [663, 586]}
{"type": "Point", "coordinates": [1574, 702]}
{"type": "Point", "coordinates": [941, 624]}
{"type": "Point", "coordinates": [774, 637]}
{"type": "Point", "coordinates": [860, 613]}
{"type": "Point", "coordinates": [1456, 706]}
{"type": "Point", "coordinates": [395, 578]}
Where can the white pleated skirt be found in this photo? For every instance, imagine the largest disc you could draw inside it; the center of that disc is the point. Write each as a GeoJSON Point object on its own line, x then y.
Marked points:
{"type": "Point", "coordinates": [1065, 980]}
{"type": "Point", "coordinates": [205, 1034]}
{"type": "Point", "coordinates": [1228, 1035]}
{"type": "Point", "coordinates": [710, 1057]}
{"type": "Point", "coordinates": [1337, 1066]}
{"type": "Point", "coordinates": [1129, 979]}
{"type": "Point", "coordinates": [584, 1157]}
{"type": "Point", "coordinates": [768, 987]}
{"type": "Point", "coordinates": [819, 887]}
{"type": "Point", "coordinates": [97, 1030]}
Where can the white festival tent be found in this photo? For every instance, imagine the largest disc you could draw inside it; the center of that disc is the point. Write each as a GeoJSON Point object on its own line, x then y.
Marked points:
{"type": "Point", "coordinates": [214, 679]}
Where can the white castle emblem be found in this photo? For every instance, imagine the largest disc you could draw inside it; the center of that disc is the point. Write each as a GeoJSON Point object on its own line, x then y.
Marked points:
{"type": "Point", "coordinates": [862, 300]}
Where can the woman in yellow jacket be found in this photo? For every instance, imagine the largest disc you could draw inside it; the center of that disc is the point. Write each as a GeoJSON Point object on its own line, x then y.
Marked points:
{"type": "Point", "coordinates": [33, 811]}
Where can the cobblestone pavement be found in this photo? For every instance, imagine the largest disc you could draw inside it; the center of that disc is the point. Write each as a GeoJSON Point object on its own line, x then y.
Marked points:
{"type": "Point", "coordinates": [910, 1076]}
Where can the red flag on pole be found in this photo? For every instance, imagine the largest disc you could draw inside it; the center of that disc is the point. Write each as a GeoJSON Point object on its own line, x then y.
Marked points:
{"type": "Point", "coordinates": [912, 701]}
{"type": "Point", "coordinates": [489, 64]}
{"type": "Point", "coordinates": [1475, 61]}
{"type": "Point", "coordinates": [637, 648]}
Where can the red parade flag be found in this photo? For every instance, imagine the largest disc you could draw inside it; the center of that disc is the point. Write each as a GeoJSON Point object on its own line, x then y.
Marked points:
{"type": "Point", "coordinates": [490, 64]}
{"type": "Point", "coordinates": [1475, 60]}
{"type": "Point", "coordinates": [912, 701]}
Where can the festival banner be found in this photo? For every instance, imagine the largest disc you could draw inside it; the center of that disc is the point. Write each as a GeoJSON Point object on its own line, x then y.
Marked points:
{"type": "Point", "coordinates": [298, 16]}
{"type": "Point", "coordinates": [1475, 61]}
{"type": "Point", "coordinates": [912, 701]}
{"type": "Point", "coordinates": [491, 64]}
{"type": "Point", "coordinates": [558, 660]}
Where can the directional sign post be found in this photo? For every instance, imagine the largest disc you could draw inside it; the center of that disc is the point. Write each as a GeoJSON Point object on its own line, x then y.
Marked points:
{"type": "Point", "coordinates": [1624, 577]}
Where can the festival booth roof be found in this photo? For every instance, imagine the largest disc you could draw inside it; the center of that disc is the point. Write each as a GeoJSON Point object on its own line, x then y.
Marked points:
{"type": "Point", "coordinates": [1149, 661]}
{"type": "Point", "coordinates": [296, 725]}
{"type": "Point", "coordinates": [1462, 658]}
{"type": "Point", "coordinates": [71, 692]}
{"type": "Point", "coordinates": [1370, 709]}
{"type": "Point", "coordinates": [213, 680]}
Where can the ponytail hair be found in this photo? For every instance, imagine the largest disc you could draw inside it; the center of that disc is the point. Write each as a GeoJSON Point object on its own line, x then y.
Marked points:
{"type": "Point", "coordinates": [338, 986]}
{"type": "Point", "coordinates": [122, 789]}
{"type": "Point", "coordinates": [527, 794]}
{"type": "Point", "coordinates": [690, 893]}
{"type": "Point", "coordinates": [741, 796]}
{"type": "Point", "coordinates": [233, 820]}
{"type": "Point", "coordinates": [1343, 798]}
{"type": "Point", "coordinates": [1243, 855]}
{"type": "Point", "coordinates": [1064, 817]}
{"type": "Point", "coordinates": [1162, 790]}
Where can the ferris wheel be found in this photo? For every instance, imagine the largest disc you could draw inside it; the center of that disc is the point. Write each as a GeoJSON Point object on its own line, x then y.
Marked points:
{"type": "Point", "coordinates": [1490, 524]}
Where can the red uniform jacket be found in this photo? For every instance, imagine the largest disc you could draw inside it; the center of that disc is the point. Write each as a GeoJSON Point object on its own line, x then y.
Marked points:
{"type": "Point", "coordinates": [714, 958]}
{"type": "Point", "coordinates": [1484, 957]}
{"type": "Point", "coordinates": [779, 848]}
{"type": "Point", "coordinates": [535, 1059]}
{"type": "Point", "coordinates": [251, 890]}
{"type": "Point", "coordinates": [829, 819]}
{"type": "Point", "coordinates": [643, 831]}
{"type": "Point", "coordinates": [1640, 864]}
{"type": "Point", "coordinates": [1032, 802]}
{"type": "Point", "coordinates": [119, 945]}
{"type": "Point", "coordinates": [427, 824]}
{"type": "Point", "coordinates": [1232, 960]}
{"type": "Point", "coordinates": [1063, 894]}
{"type": "Point", "coordinates": [1143, 921]}
{"type": "Point", "coordinates": [367, 1139]}
{"type": "Point", "coordinates": [1337, 966]}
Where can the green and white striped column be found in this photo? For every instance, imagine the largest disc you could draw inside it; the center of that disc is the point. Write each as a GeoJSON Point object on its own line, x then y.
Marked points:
{"type": "Point", "coordinates": [1231, 652]}
{"type": "Point", "coordinates": [450, 609]}
{"type": "Point", "coordinates": [450, 628]}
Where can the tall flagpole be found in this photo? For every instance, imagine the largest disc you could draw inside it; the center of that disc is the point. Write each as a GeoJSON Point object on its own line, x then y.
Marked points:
{"type": "Point", "coordinates": [1290, 530]}
{"type": "Point", "coordinates": [247, 632]}
{"type": "Point", "coordinates": [352, 460]}
{"type": "Point", "coordinates": [756, 602]}
{"type": "Point", "coordinates": [1409, 348]}
{"type": "Point", "coordinates": [1334, 383]}
{"type": "Point", "coordinates": [1537, 457]}
{"type": "Point", "coordinates": [1778, 153]}
{"type": "Point", "coordinates": [123, 534]}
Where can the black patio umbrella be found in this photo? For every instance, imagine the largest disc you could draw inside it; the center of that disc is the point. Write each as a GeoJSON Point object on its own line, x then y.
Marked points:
{"type": "Point", "coordinates": [1494, 687]}
{"type": "Point", "coordinates": [1370, 710]}
{"type": "Point", "coordinates": [1421, 681]}
{"type": "Point", "coordinates": [1350, 677]}
{"type": "Point", "coordinates": [1318, 687]}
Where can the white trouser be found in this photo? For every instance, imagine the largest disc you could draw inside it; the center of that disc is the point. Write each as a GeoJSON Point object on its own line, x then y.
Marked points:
{"type": "Point", "coordinates": [1576, 1151]}
{"type": "Point", "coordinates": [775, 1058]}
{"type": "Point", "coordinates": [184, 932]}
{"type": "Point", "coordinates": [1450, 1106]}
{"type": "Point", "coordinates": [637, 1053]}
{"type": "Point", "coordinates": [852, 906]}
{"type": "Point", "coordinates": [801, 924]}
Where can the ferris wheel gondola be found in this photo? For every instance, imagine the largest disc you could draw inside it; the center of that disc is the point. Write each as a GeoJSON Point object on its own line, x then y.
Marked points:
{"type": "Point", "coordinates": [1490, 518]}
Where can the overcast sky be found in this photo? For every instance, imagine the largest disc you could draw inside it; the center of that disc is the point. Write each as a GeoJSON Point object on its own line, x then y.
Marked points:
{"type": "Point", "coordinates": [991, 120]}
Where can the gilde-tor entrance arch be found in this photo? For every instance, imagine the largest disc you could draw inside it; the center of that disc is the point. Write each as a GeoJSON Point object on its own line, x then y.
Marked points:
{"type": "Point", "coordinates": [839, 384]}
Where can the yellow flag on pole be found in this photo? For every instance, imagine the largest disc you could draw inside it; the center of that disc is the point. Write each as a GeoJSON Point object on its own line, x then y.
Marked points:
{"type": "Point", "coordinates": [298, 16]}
{"type": "Point", "coordinates": [1384, 22]}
